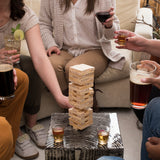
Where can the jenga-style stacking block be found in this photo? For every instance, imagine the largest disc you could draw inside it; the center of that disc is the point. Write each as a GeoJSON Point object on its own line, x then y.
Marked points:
{"type": "Point", "coordinates": [80, 119]}
{"type": "Point", "coordinates": [81, 99]}
{"type": "Point", "coordinates": [81, 96]}
{"type": "Point", "coordinates": [81, 74]}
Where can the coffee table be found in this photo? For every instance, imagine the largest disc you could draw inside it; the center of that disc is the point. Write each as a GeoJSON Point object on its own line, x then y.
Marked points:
{"type": "Point", "coordinates": [83, 145]}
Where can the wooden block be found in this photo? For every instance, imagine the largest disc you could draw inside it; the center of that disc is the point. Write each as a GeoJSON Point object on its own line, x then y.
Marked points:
{"type": "Point", "coordinates": [81, 74]}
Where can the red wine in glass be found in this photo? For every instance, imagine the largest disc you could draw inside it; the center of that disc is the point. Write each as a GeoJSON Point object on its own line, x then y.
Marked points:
{"type": "Point", "coordinates": [103, 16]}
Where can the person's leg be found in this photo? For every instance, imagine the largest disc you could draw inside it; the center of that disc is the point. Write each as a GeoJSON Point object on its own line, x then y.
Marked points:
{"type": "Point", "coordinates": [32, 104]}
{"type": "Point", "coordinates": [59, 62]}
{"type": "Point", "coordinates": [6, 140]}
{"type": "Point", "coordinates": [12, 109]}
{"type": "Point", "coordinates": [151, 125]}
{"type": "Point", "coordinates": [109, 158]}
{"type": "Point", "coordinates": [95, 58]}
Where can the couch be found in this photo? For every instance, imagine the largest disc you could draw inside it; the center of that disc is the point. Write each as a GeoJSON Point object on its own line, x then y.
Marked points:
{"type": "Point", "coordinates": [113, 83]}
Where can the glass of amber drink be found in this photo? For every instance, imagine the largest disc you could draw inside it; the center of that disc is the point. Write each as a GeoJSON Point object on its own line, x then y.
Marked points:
{"type": "Point", "coordinates": [122, 38]}
{"type": "Point", "coordinates": [58, 133]}
{"type": "Point", "coordinates": [103, 134]}
{"type": "Point", "coordinates": [139, 91]}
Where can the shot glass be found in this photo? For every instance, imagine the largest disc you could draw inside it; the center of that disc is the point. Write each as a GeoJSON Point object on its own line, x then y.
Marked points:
{"type": "Point", "coordinates": [103, 134]}
{"type": "Point", "coordinates": [122, 38]}
{"type": "Point", "coordinates": [58, 133]}
{"type": "Point", "coordinates": [10, 43]}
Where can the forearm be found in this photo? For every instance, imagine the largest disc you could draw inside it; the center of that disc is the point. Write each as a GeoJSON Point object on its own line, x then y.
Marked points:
{"type": "Point", "coordinates": [153, 47]}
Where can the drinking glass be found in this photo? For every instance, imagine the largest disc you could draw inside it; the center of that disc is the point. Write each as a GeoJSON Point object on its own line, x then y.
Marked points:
{"type": "Point", "coordinates": [103, 134]}
{"type": "Point", "coordinates": [58, 133]}
{"type": "Point", "coordinates": [10, 43]}
{"type": "Point", "coordinates": [102, 16]}
{"type": "Point", "coordinates": [6, 78]}
{"type": "Point", "coordinates": [122, 38]}
{"type": "Point", "coordinates": [139, 91]}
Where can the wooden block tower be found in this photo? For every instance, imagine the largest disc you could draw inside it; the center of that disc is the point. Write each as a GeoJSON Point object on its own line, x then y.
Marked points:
{"type": "Point", "coordinates": [81, 79]}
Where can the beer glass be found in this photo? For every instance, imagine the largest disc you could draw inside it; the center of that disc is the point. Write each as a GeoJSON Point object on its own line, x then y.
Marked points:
{"type": "Point", "coordinates": [103, 134]}
{"type": "Point", "coordinates": [6, 78]}
{"type": "Point", "coordinates": [58, 133]}
{"type": "Point", "coordinates": [139, 91]}
{"type": "Point", "coordinates": [10, 43]}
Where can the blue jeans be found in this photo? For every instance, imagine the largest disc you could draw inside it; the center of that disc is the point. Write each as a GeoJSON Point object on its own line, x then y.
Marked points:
{"type": "Point", "coordinates": [109, 158]}
{"type": "Point", "coordinates": [151, 124]}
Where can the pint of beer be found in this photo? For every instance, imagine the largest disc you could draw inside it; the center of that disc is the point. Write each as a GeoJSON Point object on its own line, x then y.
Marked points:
{"type": "Point", "coordinates": [139, 91]}
{"type": "Point", "coordinates": [6, 78]}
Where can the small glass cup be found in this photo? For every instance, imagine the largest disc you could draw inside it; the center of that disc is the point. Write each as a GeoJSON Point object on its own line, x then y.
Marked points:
{"type": "Point", "coordinates": [6, 78]}
{"type": "Point", "coordinates": [103, 134]}
{"type": "Point", "coordinates": [10, 43]}
{"type": "Point", "coordinates": [58, 133]}
{"type": "Point", "coordinates": [122, 38]}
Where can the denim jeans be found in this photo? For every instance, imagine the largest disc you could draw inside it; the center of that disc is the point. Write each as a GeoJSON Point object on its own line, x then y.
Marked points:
{"type": "Point", "coordinates": [109, 158]}
{"type": "Point", "coordinates": [151, 124]}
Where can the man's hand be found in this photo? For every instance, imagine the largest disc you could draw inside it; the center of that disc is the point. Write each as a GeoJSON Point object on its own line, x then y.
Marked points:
{"type": "Point", "coordinates": [153, 148]}
{"type": "Point", "coordinates": [53, 50]}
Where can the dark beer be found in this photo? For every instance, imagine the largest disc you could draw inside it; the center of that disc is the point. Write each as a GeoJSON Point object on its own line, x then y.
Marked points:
{"type": "Point", "coordinates": [139, 94]}
{"type": "Point", "coordinates": [103, 16]}
{"type": "Point", "coordinates": [6, 81]}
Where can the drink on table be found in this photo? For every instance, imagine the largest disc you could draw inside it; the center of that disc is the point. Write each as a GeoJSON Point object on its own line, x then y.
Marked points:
{"type": "Point", "coordinates": [6, 78]}
{"type": "Point", "coordinates": [139, 91]}
{"type": "Point", "coordinates": [58, 133]}
{"type": "Point", "coordinates": [103, 134]}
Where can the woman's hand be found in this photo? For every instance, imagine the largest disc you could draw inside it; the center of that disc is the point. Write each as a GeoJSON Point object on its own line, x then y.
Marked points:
{"type": "Point", "coordinates": [53, 50]}
{"type": "Point", "coordinates": [133, 41]}
{"type": "Point", "coordinates": [11, 53]}
{"type": "Point", "coordinates": [63, 102]}
{"type": "Point", "coordinates": [109, 22]}
{"type": "Point", "coordinates": [15, 78]}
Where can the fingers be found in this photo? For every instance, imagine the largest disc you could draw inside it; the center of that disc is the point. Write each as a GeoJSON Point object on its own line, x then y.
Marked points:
{"type": "Point", "coordinates": [154, 140]}
{"type": "Point", "coordinates": [15, 78]}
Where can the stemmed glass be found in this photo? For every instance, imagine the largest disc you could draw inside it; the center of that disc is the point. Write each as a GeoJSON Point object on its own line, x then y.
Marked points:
{"type": "Point", "coordinates": [102, 17]}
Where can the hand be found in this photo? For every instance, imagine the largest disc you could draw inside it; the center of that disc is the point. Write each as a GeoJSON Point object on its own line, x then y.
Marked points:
{"type": "Point", "coordinates": [153, 148]}
{"type": "Point", "coordinates": [64, 102]}
{"type": "Point", "coordinates": [109, 22]}
{"type": "Point", "coordinates": [15, 78]}
{"type": "Point", "coordinates": [133, 41]}
{"type": "Point", "coordinates": [53, 49]}
{"type": "Point", "coordinates": [11, 53]}
{"type": "Point", "coordinates": [155, 81]}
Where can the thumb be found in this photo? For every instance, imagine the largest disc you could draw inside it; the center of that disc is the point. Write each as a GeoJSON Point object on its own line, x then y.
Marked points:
{"type": "Point", "coordinates": [131, 39]}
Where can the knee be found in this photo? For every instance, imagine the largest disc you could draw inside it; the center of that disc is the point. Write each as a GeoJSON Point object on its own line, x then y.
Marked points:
{"type": "Point", "coordinates": [6, 140]}
{"type": "Point", "coordinates": [153, 105]}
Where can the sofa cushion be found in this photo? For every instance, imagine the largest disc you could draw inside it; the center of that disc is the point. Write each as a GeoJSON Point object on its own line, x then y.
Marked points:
{"type": "Point", "coordinates": [34, 4]}
{"type": "Point", "coordinates": [128, 14]}
{"type": "Point", "coordinates": [111, 74]}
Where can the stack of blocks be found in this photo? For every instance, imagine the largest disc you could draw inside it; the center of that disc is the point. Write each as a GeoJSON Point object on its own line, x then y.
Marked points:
{"type": "Point", "coordinates": [81, 79]}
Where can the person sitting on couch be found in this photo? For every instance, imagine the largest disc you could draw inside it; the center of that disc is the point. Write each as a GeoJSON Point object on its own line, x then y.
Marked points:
{"type": "Point", "coordinates": [151, 121]}
{"type": "Point", "coordinates": [14, 12]}
{"type": "Point", "coordinates": [11, 112]}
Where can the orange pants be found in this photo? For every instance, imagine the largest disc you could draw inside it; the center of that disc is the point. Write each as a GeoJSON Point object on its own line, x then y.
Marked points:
{"type": "Point", "coordinates": [10, 116]}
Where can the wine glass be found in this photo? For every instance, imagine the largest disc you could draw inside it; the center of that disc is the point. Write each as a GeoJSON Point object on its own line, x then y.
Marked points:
{"type": "Point", "coordinates": [102, 16]}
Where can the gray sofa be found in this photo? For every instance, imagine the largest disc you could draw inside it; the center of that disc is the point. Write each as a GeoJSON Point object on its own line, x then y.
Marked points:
{"type": "Point", "coordinates": [114, 83]}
